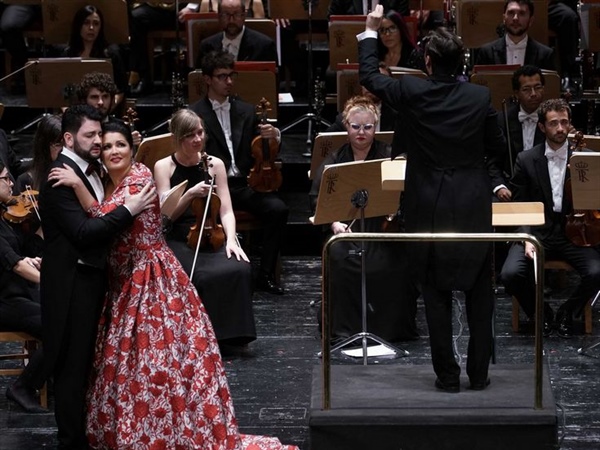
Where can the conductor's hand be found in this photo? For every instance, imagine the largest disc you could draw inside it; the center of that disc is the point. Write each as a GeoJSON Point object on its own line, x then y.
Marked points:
{"type": "Point", "coordinates": [141, 201]}
{"type": "Point", "coordinates": [374, 19]}
{"type": "Point", "coordinates": [504, 195]}
{"type": "Point", "coordinates": [529, 250]}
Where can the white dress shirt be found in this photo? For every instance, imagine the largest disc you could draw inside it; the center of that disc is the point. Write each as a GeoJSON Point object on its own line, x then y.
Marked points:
{"type": "Point", "coordinates": [93, 177]}
{"type": "Point", "coordinates": [233, 45]}
{"type": "Point", "coordinates": [528, 125]}
{"type": "Point", "coordinates": [515, 53]}
{"type": "Point", "coordinates": [222, 110]}
{"type": "Point", "coordinates": [557, 167]}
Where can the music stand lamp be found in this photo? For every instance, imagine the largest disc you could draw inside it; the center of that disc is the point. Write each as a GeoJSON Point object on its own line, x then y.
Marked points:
{"type": "Point", "coordinates": [313, 116]}
{"type": "Point", "coordinates": [358, 183]}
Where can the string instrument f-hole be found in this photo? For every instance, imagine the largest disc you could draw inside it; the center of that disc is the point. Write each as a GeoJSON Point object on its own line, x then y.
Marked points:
{"type": "Point", "coordinates": [265, 175]}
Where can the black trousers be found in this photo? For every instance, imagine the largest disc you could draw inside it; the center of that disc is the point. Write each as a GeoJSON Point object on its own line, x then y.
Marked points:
{"type": "Point", "coordinates": [72, 368]}
{"type": "Point", "coordinates": [518, 276]}
{"type": "Point", "coordinates": [272, 212]}
{"type": "Point", "coordinates": [479, 307]}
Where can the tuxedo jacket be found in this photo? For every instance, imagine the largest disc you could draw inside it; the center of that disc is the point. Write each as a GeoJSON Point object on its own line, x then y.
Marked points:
{"type": "Point", "coordinates": [71, 238]}
{"type": "Point", "coordinates": [536, 54]}
{"type": "Point", "coordinates": [450, 133]}
{"type": "Point", "coordinates": [515, 134]}
{"type": "Point", "coordinates": [254, 46]}
{"type": "Point", "coordinates": [244, 127]}
{"type": "Point", "coordinates": [355, 7]}
{"type": "Point", "coordinates": [531, 183]}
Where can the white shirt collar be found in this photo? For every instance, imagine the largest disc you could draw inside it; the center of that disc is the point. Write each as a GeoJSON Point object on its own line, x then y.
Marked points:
{"type": "Point", "coordinates": [521, 45]}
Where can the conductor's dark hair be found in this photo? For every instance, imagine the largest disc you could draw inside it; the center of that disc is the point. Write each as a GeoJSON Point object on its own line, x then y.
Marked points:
{"type": "Point", "coordinates": [526, 71]}
{"type": "Point", "coordinates": [74, 116]}
{"type": "Point", "coordinates": [529, 4]}
{"type": "Point", "coordinates": [554, 104]}
{"type": "Point", "coordinates": [118, 126]}
{"type": "Point", "coordinates": [445, 50]}
{"type": "Point", "coordinates": [216, 59]}
{"type": "Point", "coordinates": [75, 46]}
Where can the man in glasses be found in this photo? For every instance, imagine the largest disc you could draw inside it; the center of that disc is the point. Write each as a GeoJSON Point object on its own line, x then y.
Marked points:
{"type": "Point", "coordinates": [242, 42]}
{"type": "Point", "coordinates": [516, 47]}
{"type": "Point", "coordinates": [450, 133]}
{"type": "Point", "coordinates": [230, 126]}
{"type": "Point", "coordinates": [522, 117]}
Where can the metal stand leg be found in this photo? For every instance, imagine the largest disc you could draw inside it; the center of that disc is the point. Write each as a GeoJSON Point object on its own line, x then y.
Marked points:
{"type": "Point", "coordinates": [29, 124]}
{"type": "Point", "coordinates": [583, 350]}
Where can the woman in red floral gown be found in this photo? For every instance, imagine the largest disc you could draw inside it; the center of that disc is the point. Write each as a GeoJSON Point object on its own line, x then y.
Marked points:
{"type": "Point", "coordinates": [158, 380]}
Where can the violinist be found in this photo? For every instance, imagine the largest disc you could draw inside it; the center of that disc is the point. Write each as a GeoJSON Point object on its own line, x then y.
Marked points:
{"type": "Point", "coordinates": [223, 276]}
{"type": "Point", "coordinates": [231, 125]}
{"type": "Point", "coordinates": [390, 291]}
{"type": "Point", "coordinates": [19, 299]}
{"type": "Point", "coordinates": [539, 176]}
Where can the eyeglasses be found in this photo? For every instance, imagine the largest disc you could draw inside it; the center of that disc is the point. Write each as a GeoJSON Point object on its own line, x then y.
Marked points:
{"type": "Point", "coordinates": [531, 89]}
{"type": "Point", "coordinates": [224, 76]}
{"type": "Point", "coordinates": [6, 178]}
{"type": "Point", "coordinates": [362, 126]}
{"type": "Point", "coordinates": [389, 30]}
{"type": "Point", "coordinates": [236, 16]}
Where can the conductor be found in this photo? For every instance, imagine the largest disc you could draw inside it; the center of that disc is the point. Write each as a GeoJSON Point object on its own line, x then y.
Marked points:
{"type": "Point", "coordinates": [449, 131]}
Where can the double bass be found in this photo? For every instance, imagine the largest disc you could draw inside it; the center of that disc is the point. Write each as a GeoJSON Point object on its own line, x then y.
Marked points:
{"type": "Point", "coordinates": [265, 175]}
{"type": "Point", "coordinates": [582, 227]}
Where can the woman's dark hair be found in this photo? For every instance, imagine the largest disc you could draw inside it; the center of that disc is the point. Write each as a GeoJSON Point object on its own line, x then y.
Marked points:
{"type": "Point", "coordinates": [48, 132]}
{"type": "Point", "coordinates": [405, 35]}
{"type": "Point", "coordinates": [118, 126]}
{"type": "Point", "coordinates": [75, 47]}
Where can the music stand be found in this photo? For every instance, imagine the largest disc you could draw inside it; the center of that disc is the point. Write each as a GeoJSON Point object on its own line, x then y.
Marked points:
{"type": "Point", "coordinates": [315, 105]}
{"type": "Point", "coordinates": [349, 191]}
{"type": "Point", "coordinates": [50, 83]}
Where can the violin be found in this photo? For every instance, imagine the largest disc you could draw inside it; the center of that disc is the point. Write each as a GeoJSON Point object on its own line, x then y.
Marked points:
{"type": "Point", "coordinates": [22, 207]}
{"type": "Point", "coordinates": [265, 175]}
{"type": "Point", "coordinates": [206, 232]}
{"type": "Point", "coordinates": [583, 226]}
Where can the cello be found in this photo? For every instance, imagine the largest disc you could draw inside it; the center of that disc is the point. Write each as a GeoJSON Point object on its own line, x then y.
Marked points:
{"type": "Point", "coordinates": [265, 175]}
{"type": "Point", "coordinates": [582, 227]}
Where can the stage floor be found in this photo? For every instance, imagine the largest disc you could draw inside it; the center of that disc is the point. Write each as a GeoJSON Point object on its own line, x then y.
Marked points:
{"type": "Point", "coordinates": [271, 381]}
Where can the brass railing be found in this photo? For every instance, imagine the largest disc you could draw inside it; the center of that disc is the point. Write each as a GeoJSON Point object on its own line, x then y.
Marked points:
{"type": "Point", "coordinates": [434, 237]}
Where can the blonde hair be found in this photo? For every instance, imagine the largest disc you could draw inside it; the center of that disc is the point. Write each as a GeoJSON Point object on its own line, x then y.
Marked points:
{"type": "Point", "coordinates": [184, 122]}
{"type": "Point", "coordinates": [359, 103]}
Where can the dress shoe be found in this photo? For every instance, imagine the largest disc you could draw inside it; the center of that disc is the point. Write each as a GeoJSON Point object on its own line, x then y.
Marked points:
{"type": "Point", "coordinates": [479, 385]}
{"type": "Point", "coordinates": [25, 398]}
{"type": "Point", "coordinates": [548, 320]}
{"type": "Point", "coordinates": [547, 330]}
{"type": "Point", "coordinates": [447, 387]}
{"type": "Point", "coordinates": [564, 323]}
{"type": "Point", "coordinates": [267, 283]}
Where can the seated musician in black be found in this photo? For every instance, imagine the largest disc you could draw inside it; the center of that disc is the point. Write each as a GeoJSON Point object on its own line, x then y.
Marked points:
{"type": "Point", "coordinates": [540, 175]}
{"type": "Point", "coordinates": [231, 124]}
{"type": "Point", "coordinates": [19, 299]}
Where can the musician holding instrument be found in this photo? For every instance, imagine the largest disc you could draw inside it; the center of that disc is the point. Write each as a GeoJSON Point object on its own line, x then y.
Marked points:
{"type": "Point", "coordinates": [222, 273]}
{"type": "Point", "coordinates": [391, 292]}
{"type": "Point", "coordinates": [19, 298]}
{"type": "Point", "coordinates": [231, 127]}
{"type": "Point", "coordinates": [540, 176]}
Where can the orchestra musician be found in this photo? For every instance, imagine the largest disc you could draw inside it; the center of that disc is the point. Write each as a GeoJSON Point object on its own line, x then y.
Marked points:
{"type": "Point", "coordinates": [539, 176]}
{"type": "Point", "coordinates": [447, 188]}
{"type": "Point", "coordinates": [231, 124]}
{"type": "Point", "coordinates": [391, 294]}
{"type": "Point", "coordinates": [223, 277]}
{"type": "Point", "coordinates": [19, 298]}
{"type": "Point", "coordinates": [516, 47]}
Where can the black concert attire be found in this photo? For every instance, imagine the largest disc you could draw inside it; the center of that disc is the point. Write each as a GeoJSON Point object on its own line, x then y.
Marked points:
{"type": "Point", "coordinates": [19, 299]}
{"type": "Point", "coordinates": [268, 207]}
{"type": "Point", "coordinates": [532, 182]}
{"type": "Point", "coordinates": [254, 46]}
{"type": "Point", "coordinates": [225, 285]}
{"type": "Point", "coordinates": [391, 293]}
{"type": "Point", "coordinates": [563, 19]}
{"type": "Point", "coordinates": [516, 119]}
{"type": "Point", "coordinates": [447, 189]}
{"type": "Point", "coordinates": [536, 54]}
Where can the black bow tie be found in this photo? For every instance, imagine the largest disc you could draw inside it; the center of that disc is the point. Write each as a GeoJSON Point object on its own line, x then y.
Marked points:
{"type": "Point", "coordinates": [94, 166]}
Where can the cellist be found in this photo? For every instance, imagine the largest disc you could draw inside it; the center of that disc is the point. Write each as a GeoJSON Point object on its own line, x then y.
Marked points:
{"type": "Point", "coordinates": [231, 124]}
{"type": "Point", "coordinates": [222, 277]}
{"type": "Point", "coordinates": [539, 176]}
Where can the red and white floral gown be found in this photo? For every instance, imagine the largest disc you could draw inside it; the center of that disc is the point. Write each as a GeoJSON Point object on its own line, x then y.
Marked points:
{"type": "Point", "coordinates": [158, 379]}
